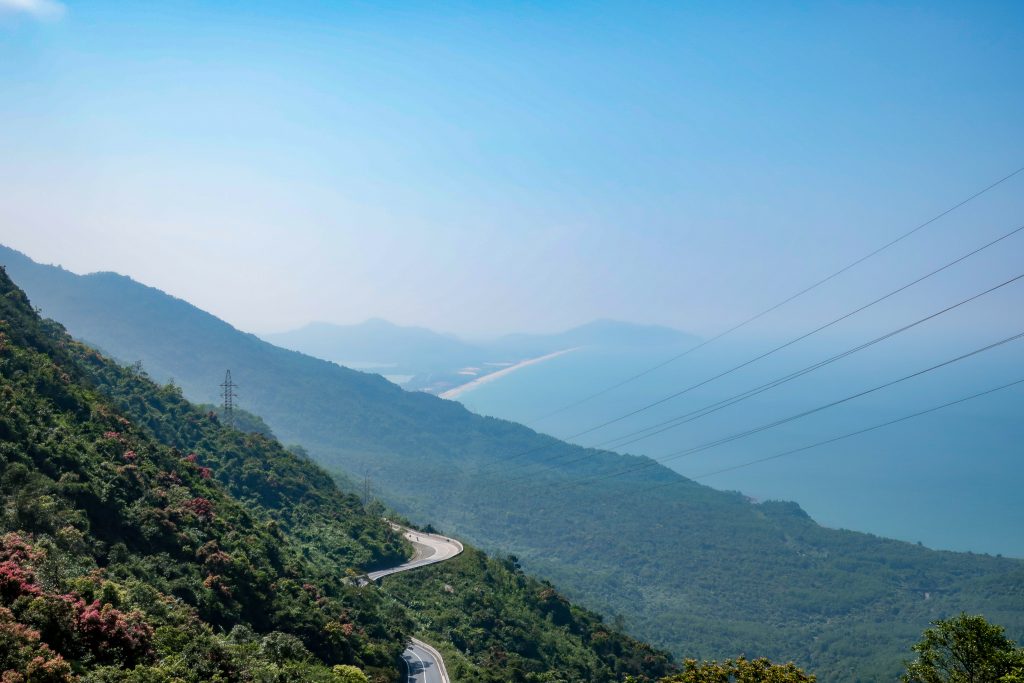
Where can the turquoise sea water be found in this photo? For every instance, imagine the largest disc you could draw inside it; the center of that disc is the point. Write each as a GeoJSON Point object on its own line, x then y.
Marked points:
{"type": "Point", "coordinates": [950, 480]}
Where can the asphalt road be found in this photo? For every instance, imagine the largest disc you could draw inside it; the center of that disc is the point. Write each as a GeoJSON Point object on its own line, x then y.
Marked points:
{"type": "Point", "coordinates": [430, 548]}
{"type": "Point", "coordinates": [423, 663]}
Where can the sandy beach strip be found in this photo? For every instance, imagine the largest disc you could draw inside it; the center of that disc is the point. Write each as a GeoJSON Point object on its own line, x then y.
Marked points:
{"type": "Point", "coordinates": [498, 374]}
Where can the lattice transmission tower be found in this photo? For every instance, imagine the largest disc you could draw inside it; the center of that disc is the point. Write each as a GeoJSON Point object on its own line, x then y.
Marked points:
{"type": "Point", "coordinates": [367, 488]}
{"type": "Point", "coordinates": [229, 395]}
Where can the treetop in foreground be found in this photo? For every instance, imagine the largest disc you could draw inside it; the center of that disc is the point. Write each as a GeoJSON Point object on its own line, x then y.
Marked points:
{"type": "Point", "coordinates": [966, 649]}
{"type": "Point", "coordinates": [739, 670]}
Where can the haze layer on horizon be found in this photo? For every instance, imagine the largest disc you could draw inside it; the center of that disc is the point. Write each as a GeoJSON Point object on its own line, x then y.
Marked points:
{"type": "Point", "coordinates": [516, 166]}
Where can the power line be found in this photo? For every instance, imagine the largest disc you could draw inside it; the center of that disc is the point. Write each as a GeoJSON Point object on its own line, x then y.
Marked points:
{"type": "Point", "coordinates": [848, 435]}
{"type": "Point", "coordinates": [771, 425]}
{"type": "Point", "coordinates": [680, 420]}
{"type": "Point", "coordinates": [686, 418]}
{"type": "Point", "coordinates": [756, 430]}
{"type": "Point", "coordinates": [785, 301]}
{"type": "Point", "coordinates": [796, 339]}
{"type": "Point", "coordinates": [799, 338]}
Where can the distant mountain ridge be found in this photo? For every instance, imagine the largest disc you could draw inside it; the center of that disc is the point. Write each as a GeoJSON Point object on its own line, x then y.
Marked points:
{"type": "Point", "coordinates": [702, 572]}
{"type": "Point", "coordinates": [431, 359]}
{"type": "Point", "coordinates": [602, 332]}
{"type": "Point", "coordinates": [437, 362]}
{"type": "Point", "coordinates": [377, 342]}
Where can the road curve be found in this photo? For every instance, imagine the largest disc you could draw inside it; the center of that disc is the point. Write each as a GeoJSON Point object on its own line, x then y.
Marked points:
{"type": "Point", "coordinates": [430, 549]}
{"type": "Point", "coordinates": [423, 664]}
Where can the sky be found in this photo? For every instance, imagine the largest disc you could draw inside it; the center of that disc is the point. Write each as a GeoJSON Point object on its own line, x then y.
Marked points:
{"type": "Point", "coordinates": [482, 168]}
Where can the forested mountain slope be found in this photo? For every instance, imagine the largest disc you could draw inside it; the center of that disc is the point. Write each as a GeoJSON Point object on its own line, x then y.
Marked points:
{"type": "Point", "coordinates": [153, 539]}
{"type": "Point", "coordinates": [472, 608]}
{"type": "Point", "coordinates": [141, 540]}
{"type": "Point", "coordinates": [702, 572]}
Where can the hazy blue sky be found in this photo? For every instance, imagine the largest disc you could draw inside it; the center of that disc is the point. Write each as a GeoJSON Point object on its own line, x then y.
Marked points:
{"type": "Point", "coordinates": [486, 167]}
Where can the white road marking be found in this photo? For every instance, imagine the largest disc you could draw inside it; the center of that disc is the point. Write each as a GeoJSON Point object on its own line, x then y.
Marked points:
{"type": "Point", "coordinates": [423, 667]}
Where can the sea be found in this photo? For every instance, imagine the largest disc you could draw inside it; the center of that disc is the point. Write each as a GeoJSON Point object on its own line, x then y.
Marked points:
{"type": "Point", "coordinates": [949, 479]}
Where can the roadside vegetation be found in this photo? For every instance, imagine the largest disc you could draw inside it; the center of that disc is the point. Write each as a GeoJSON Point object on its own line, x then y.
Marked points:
{"type": "Point", "coordinates": [495, 624]}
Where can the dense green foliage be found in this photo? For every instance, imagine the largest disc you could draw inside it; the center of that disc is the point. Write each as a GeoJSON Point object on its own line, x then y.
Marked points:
{"type": "Point", "coordinates": [144, 541]}
{"type": "Point", "coordinates": [704, 573]}
{"type": "Point", "coordinates": [494, 624]}
{"type": "Point", "coordinates": [128, 550]}
{"type": "Point", "coordinates": [965, 649]}
{"type": "Point", "coordinates": [328, 526]}
{"type": "Point", "coordinates": [740, 670]}
{"type": "Point", "coordinates": [961, 649]}
{"type": "Point", "coordinates": [242, 420]}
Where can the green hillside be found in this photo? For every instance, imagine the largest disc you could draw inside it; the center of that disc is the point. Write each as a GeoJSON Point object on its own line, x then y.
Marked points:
{"type": "Point", "coordinates": [141, 540]}
{"type": "Point", "coordinates": [472, 607]}
{"type": "Point", "coordinates": [701, 572]}
{"type": "Point", "coordinates": [152, 539]}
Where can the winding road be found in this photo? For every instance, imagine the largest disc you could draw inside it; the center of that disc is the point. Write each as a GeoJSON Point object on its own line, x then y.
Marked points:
{"type": "Point", "coordinates": [423, 664]}
{"type": "Point", "coordinates": [430, 549]}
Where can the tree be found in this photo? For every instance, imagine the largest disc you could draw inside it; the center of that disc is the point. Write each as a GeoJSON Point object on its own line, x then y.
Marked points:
{"type": "Point", "coordinates": [741, 670]}
{"type": "Point", "coordinates": [346, 673]}
{"type": "Point", "coordinates": [965, 649]}
{"type": "Point", "coordinates": [1016, 676]}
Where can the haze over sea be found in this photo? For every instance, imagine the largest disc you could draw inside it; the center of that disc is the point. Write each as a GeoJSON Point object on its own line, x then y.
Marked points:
{"type": "Point", "coordinates": [949, 480]}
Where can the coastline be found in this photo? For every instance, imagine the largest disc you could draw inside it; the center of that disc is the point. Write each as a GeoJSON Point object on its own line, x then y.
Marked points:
{"type": "Point", "coordinates": [498, 374]}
